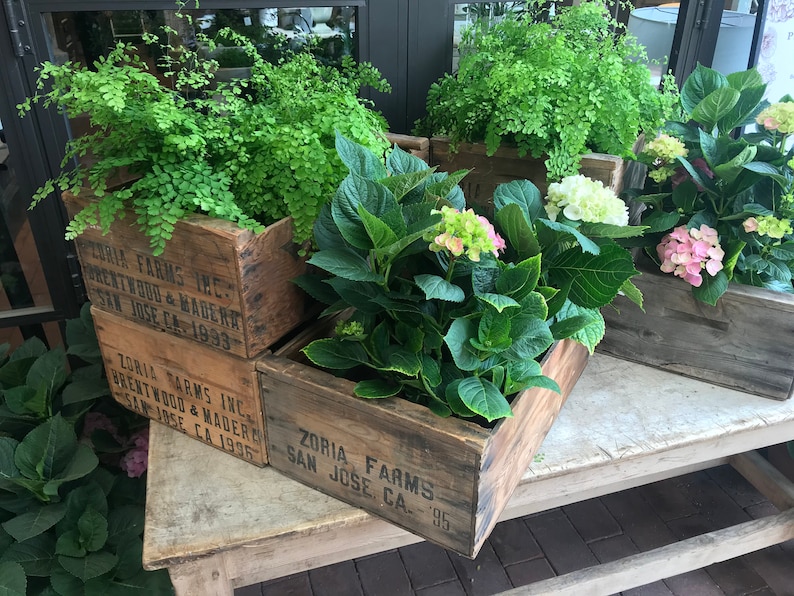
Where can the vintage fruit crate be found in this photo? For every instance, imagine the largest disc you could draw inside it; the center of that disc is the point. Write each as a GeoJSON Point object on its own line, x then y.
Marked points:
{"type": "Point", "coordinates": [197, 391]}
{"type": "Point", "coordinates": [216, 283]}
{"type": "Point", "coordinates": [745, 342]}
{"type": "Point", "coordinates": [487, 172]}
{"type": "Point", "coordinates": [445, 479]}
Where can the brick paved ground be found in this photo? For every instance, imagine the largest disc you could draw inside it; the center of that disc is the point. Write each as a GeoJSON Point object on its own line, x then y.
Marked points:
{"type": "Point", "coordinates": [525, 550]}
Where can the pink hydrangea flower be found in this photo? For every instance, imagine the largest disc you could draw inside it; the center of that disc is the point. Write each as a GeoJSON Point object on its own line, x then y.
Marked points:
{"type": "Point", "coordinates": [750, 224]}
{"type": "Point", "coordinates": [686, 253]}
{"type": "Point", "coordinates": [136, 460]}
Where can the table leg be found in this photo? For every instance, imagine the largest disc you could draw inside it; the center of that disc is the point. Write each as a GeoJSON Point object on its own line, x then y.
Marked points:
{"type": "Point", "coordinates": [202, 577]}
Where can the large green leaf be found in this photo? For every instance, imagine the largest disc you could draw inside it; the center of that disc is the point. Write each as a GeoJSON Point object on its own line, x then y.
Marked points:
{"type": "Point", "coordinates": [457, 340]}
{"type": "Point", "coordinates": [36, 554]}
{"type": "Point", "coordinates": [85, 390]}
{"type": "Point", "coordinates": [484, 398]}
{"type": "Point", "coordinates": [712, 288]}
{"type": "Point", "coordinates": [593, 332]}
{"type": "Point", "coordinates": [534, 305]}
{"type": "Point", "coordinates": [8, 469]}
{"type": "Point", "coordinates": [729, 171]}
{"type": "Point", "coordinates": [745, 110]}
{"type": "Point", "coordinates": [335, 354]}
{"type": "Point", "coordinates": [47, 449]}
{"type": "Point", "coordinates": [401, 162]}
{"type": "Point", "coordinates": [352, 192]}
{"type": "Point", "coordinates": [49, 371]}
{"type": "Point", "coordinates": [14, 372]}
{"type": "Point", "coordinates": [82, 463]}
{"type": "Point", "coordinates": [69, 544]}
{"type": "Point", "coordinates": [714, 107]}
{"type": "Point", "coordinates": [18, 398]}
{"type": "Point", "coordinates": [93, 528]}
{"type": "Point", "coordinates": [513, 281]}
{"type": "Point", "coordinates": [376, 389]}
{"type": "Point", "coordinates": [768, 170]}
{"type": "Point", "coordinates": [493, 330]}
{"type": "Point", "coordinates": [438, 288]}
{"type": "Point", "coordinates": [585, 243]}
{"type": "Point", "coordinates": [745, 79]}
{"type": "Point", "coordinates": [402, 184]}
{"type": "Point", "coordinates": [535, 339]}
{"type": "Point", "coordinates": [522, 193]}
{"type": "Point", "coordinates": [518, 232]}
{"type": "Point", "coordinates": [498, 301]}
{"type": "Point", "coordinates": [594, 279]}
{"type": "Point", "coordinates": [88, 567]}
{"type": "Point", "coordinates": [359, 159]}
{"type": "Point", "coordinates": [346, 264]}
{"type": "Point", "coordinates": [661, 221]}
{"type": "Point", "coordinates": [124, 522]}
{"type": "Point", "coordinates": [380, 233]}
{"type": "Point", "coordinates": [519, 373]}
{"type": "Point", "coordinates": [402, 361]}
{"type": "Point", "coordinates": [700, 84]}
{"type": "Point", "coordinates": [12, 579]}
{"type": "Point", "coordinates": [361, 295]}
{"type": "Point", "coordinates": [33, 523]}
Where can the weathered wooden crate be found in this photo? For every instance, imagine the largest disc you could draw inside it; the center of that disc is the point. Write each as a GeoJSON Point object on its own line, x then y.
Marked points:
{"type": "Point", "coordinates": [444, 479]}
{"type": "Point", "coordinates": [211, 397]}
{"type": "Point", "coordinates": [745, 342]}
{"type": "Point", "coordinates": [487, 172]}
{"type": "Point", "coordinates": [216, 283]}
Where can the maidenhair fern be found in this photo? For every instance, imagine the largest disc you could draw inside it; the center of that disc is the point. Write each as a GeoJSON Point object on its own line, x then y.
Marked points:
{"type": "Point", "coordinates": [251, 152]}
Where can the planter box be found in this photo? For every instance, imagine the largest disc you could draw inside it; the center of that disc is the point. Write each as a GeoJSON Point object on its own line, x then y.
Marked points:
{"type": "Point", "coordinates": [418, 146]}
{"type": "Point", "coordinates": [505, 165]}
{"type": "Point", "coordinates": [745, 342]}
{"type": "Point", "coordinates": [216, 283]}
{"type": "Point", "coordinates": [209, 396]}
{"type": "Point", "coordinates": [444, 479]}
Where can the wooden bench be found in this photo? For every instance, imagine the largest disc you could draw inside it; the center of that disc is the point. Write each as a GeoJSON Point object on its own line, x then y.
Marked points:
{"type": "Point", "coordinates": [218, 523]}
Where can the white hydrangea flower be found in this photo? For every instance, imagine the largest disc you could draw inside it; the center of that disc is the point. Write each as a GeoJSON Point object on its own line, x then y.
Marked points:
{"type": "Point", "coordinates": [582, 199]}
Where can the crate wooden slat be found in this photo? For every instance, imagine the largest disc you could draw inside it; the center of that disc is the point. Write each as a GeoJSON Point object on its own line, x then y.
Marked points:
{"type": "Point", "coordinates": [216, 283]}
{"type": "Point", "coordinates": [487, 172]}
{"type": "Point", "coordinates": [206, 395]}
{"type": "Point", "coordinates": [444, 479]}
{"type": "Point", "coordinates": [745, 342]}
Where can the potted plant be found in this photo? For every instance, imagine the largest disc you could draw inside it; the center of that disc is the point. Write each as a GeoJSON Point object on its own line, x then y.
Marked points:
{"type": "Point", "coordinates": [552, 88]}
{"type": "Point", "coordinates": [464, 340]}
{"type": "Point", "coordinates": [72, 475]}
{"type": "Point", "coordinates": [719, 247]}
{"type": "Point", "coordinates": [251, 161]}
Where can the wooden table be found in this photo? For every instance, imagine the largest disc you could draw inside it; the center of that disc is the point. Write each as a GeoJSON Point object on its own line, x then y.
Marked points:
{"type": "Point", "coordinates": [218, 523]}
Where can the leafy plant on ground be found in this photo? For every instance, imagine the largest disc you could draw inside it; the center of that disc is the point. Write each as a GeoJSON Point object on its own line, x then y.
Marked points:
{"type": "Point", "coordinates": [70, 518]}
{"type": "Point", "coordinates": [249, 151]}
{"type": "Point", "coordinates": [451, 312]}
{"type": "Point", "coordinates": [555, 88]}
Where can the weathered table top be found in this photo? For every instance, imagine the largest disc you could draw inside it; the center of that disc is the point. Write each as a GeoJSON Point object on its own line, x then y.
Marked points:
{"type": "Point", "coordinates": [623, 425]}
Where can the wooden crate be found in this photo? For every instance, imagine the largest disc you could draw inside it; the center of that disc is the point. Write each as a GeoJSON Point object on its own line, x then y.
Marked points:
{"type": "Point", "coordinates": [444, 479]}
{"type": "Point", "coordinates": [211, 397]}
{"type": "Point", "coordinates": [745, 342]}
{"type": "Point", "coordinates": [487, 172]}
{"type": "Point", "coordinates": [216, 283]}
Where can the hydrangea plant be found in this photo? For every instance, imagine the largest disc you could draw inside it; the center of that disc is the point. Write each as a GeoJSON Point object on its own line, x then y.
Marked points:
{"type": "Point", "coordinates": [451, 310]}
{"type": "Point", "coordinates": [708, 186]}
